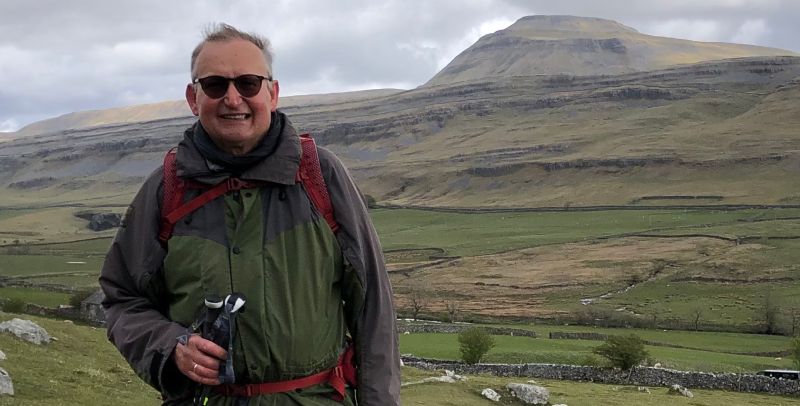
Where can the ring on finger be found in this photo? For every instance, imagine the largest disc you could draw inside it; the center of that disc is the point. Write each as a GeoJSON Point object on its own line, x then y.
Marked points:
{"type": "Point", "coordinates": [194, 367]}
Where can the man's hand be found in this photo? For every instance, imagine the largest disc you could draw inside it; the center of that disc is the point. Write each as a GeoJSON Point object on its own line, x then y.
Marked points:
{"type": "Point", "coordinates": [199, 359]}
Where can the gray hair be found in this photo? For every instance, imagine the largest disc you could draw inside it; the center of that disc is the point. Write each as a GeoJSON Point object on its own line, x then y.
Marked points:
{"type": "Point", "coordinates": [221, 32]}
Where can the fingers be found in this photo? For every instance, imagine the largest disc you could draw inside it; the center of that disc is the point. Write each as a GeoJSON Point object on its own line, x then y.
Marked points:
{"type": "Point", "coordinates": [203, 375]}
{"type": "Point", "coordinates": [199, 360]}
{"type": "Point", "coordinates": [207, 347]}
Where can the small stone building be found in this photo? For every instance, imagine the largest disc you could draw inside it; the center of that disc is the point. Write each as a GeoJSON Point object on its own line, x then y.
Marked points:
{"type": "Point", "coordinates": [92, 309]}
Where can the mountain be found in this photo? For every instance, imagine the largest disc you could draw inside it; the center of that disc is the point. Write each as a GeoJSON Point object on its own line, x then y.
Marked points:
{"type": "Point", "coordinates": [720, 132]}
{"type": "Point", "coordinates": [549, 45]}
{"type": "Point", "coordinates": [170, 109]}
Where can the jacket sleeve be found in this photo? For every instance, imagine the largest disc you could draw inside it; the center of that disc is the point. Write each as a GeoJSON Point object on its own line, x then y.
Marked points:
{"type": "Point", "coordinates": [134, 307]}
{"type": "Point", "coordinates": [372, 324]}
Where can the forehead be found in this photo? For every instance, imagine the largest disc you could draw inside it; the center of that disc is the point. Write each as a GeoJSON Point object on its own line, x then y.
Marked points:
{"type": "Point", "coordinates": [230, 58]}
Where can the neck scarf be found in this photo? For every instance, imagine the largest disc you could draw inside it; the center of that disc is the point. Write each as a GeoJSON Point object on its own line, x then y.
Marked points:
{"type": "Point", "coordinates": [237, 164]}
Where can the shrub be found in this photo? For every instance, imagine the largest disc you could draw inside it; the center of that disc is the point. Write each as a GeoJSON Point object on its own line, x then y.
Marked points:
{"type": "Point", "coordinates": [623, 352]}
{"type": "Point", "coordinates": [474, 344]}
{"type": "Point", "coordinates": [794, 349]}
{"type": "Point", "coordinates": [590, 360]}
{"type": "Point", "coordinates": [78, 297]}
{"type": "Point", "coordinates": [370, 201]}
{"type": "Point", "coordinates": [14, 306]}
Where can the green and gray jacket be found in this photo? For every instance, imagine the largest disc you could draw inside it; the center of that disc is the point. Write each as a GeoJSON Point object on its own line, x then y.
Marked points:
{"type": "Point", "coordinates": [305, 286]}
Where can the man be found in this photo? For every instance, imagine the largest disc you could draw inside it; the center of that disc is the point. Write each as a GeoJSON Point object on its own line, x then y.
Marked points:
{"type": "Point", "coordinates": [305, 286]}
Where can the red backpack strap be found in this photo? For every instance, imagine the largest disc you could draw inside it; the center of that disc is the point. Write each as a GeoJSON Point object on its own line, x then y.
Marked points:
{"type": "Point", "coordinates": [173, 190]}
{"type": "Point", "coordinates": [310, 175]}
{"type": "Point", "coordinates": [172, 206]}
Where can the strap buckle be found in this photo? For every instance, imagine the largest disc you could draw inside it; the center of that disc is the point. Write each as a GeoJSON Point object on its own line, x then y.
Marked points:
{"type": "Point", "coordinates": [235, 184]}
{"type": "Point", "coordinates": [338, 371]}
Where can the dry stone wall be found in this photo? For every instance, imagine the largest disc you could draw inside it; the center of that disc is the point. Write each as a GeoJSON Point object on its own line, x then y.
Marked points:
{"type": "Point", "coordinates": [403, 328]}
{"type": "Point", "coordinates": [640, 376]}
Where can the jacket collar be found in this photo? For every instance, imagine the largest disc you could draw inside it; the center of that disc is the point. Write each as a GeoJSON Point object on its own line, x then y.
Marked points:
{"type": "Point", "coordinates": [280, 167]}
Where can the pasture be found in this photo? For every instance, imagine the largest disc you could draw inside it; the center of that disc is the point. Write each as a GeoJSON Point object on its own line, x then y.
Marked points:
{"type": "Point", "coordinates": [83, 368]}
{"type": "Point", "coordinates": [662, 265]}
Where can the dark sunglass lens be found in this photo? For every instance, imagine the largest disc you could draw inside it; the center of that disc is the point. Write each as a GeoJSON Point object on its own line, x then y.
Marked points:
{"type": "Point", "coordinates": [248, 85]}
{"type": "Point", "coordinates": [214, 86]}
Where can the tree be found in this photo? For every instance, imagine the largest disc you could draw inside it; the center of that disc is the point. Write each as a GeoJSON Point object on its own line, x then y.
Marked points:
{"type": "Point", "coordinates": [452, 310]}
{"type": "Point", "coordinates": [770, 314]}
{"type": "Point", "coordinates": [624, 352]}
{"type": "Point", "coordinates": [419, 297]}
{"type": "Point", "coordinates": [794, 349]}
{"type": "Point", "coordinates": [697, 313]}
{"type": "Point", "coordinates": [795, 320]}
{"type": "Point", "coordinates": [474, 343]}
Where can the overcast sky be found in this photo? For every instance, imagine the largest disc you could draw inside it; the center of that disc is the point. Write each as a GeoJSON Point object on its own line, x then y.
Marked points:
{"type": "Point", "coordinates": [61, 56]}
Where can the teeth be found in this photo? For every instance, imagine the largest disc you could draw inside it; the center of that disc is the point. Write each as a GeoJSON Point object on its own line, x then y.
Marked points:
{"type": "Point", "coordinates": [235, 116]}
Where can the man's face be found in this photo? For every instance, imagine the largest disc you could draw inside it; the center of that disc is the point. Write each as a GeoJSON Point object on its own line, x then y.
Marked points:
{"type": "Point", "coordinates": [235, 123]}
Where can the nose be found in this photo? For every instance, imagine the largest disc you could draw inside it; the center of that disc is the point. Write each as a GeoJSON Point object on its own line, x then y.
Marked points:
{"type": "Point", "coordinates": [232, 96]}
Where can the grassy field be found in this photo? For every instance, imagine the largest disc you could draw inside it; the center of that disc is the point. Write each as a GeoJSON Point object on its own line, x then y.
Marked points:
{"type": "Point", "coordinates": [37, 296]}
{"type": "Point", "coordinates": [516, 350]}
{"type": "Point", "coordinates": [485, 233]}
{"type": "Point", "coordinates": [736, 278]}
{"type": "Point", "coordinates": [82, 368]}
{"type": "Point", "coordinates": [704, 340]}
{"type": "Point", "coordinates": [32, 265]}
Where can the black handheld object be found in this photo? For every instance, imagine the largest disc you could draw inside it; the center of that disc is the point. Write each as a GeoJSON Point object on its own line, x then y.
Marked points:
{"type": "Point", "coordinates": [217, 323]}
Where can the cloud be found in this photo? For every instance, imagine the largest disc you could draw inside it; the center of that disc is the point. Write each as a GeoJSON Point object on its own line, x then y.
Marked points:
{"type": "Point", "coordinates": [57, 57]}
{"type": "Point", "coordinates": [9, 125]}
{"type": "Point", "coordinates": [751, 32]}
{"type": "Point", "coordinates": [452, 49]}
{"type": "Point", "coordinates": [696, 30]}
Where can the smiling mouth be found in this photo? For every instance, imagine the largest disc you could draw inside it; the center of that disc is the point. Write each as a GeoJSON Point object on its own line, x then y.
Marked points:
{"type": "Point", "coordinates": [240, 116]}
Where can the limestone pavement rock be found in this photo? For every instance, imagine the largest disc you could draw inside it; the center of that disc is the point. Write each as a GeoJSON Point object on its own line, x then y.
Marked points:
{"type": "Point", "coordinates": [680, 390]}
{"type": "Point", "coordinates": [448, 377]}
{"type": "Point", "coordinates": [6, 386]}
{"type": "Point", "coordinates": [490, 394]}
{"type": "Point", "coordinates": [26, 330]}
{"type": "Point", "coordinates": [530, 394]}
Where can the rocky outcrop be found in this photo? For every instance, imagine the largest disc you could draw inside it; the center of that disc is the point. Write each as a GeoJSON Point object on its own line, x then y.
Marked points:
{"type": "Point", "coordinates": [680, 390]}
{"type": "Point", "coordinates": [26, 330]}
{"type": "Point", "coordinates": [448, 377]}
{"type": "Point", "coordinates": [490, 394]}
{"type": "Point", "coordinates": [529, 394]}
{"type": "Point", "coordinates": [427, 119]}
{"type": "Point", "coordinates": [6, 385]}
{"type": "Point", "coordinates": [101, 221]}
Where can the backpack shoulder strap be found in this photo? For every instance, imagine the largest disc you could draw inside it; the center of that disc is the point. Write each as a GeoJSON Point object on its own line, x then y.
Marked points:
{"type": "Point", "coordinates": [173, 208]}
{"type": "Point", "coordinates": [310, 175]}
{"type": "Point", "coordinates": [173, 190]}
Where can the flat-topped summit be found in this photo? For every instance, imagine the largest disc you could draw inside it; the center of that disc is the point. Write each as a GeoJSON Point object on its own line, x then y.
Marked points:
{"type": "Point", "coordinates": [562, 27]}
{"type": "Point", "coordinates": [551, 45]}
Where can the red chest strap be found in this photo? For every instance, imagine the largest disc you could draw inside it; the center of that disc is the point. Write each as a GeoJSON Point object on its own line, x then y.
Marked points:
{"type": "Point", "coordinates": [173, 209]}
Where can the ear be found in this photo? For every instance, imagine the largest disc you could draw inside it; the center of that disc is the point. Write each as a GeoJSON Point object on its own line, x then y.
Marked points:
{"type": "Point", "coordinates": [191, 99]}
{"type": "Point", "coordinates": [273, 94]}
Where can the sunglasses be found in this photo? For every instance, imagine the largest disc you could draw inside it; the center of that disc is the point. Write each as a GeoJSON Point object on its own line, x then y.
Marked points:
{"type": "Point", "coordinates": [216, 87]}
